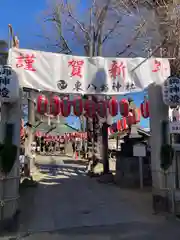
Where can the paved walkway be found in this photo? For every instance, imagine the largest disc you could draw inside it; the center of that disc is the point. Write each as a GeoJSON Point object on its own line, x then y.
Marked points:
{"type": "Point", "coordinates": [69, 205]}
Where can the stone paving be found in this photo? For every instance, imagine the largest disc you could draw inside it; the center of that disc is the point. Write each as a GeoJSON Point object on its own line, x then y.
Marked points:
{"type": "Point", "coordinates": [69, 205]}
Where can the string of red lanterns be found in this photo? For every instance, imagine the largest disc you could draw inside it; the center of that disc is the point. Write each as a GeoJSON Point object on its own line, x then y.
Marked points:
{"type": "Point", "coordinates": [63, 107]}
{"type": "Point", "coordinates": [145, 108]}
{"type": "Point", "coordinates": [67, 136]}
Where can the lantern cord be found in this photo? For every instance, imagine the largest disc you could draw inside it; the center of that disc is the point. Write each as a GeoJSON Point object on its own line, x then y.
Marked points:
{"type": "Point", "coordinates": [50, 130]}
{"type": "Point", "coordinates": [38, 124]}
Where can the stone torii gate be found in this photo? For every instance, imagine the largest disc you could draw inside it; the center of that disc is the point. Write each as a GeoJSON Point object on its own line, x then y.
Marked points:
{"type": "Point", "coordinates": [11, 113]}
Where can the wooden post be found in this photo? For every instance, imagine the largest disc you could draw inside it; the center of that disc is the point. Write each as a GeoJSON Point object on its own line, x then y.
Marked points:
{"type": "Point", "coordinates": [29, 140]}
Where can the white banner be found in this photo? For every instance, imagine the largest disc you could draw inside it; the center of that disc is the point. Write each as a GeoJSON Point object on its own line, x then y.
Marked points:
{"type": "Point", "coordinates": [68, 74]}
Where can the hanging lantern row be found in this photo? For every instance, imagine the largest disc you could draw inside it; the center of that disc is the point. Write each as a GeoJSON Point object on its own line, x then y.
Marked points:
{"type": "Point", "coordinates": [122, 124]}
{"type": "Point", "coordinates": [58, 106]}
{"type": "Point", "coordinates": [67, 136]}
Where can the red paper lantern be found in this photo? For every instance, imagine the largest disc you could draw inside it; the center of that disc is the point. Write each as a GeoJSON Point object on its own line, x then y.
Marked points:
{"type": "Point", "coordinates": [38, 134]}
{"type": "Point", "coordinates": [124, 107]}
{"type": "Point", "coordinates": [101, 108]}
{"type": "Point", "coordinates": [113, 107]}
{"type": "Point", "coordinates": [124, 123]}
{"type": "Point", "coordinates": [145, 108]}
{"type": "Point", "coordinates": [42, 104]}
{"type": "Point", "coordinates": [136, 115]}
{"type": "Point", "coordinates": [55, 105]}
{"type": "Point", "coordinates": [130, 119]}
{"type": "Point", "coordinates": [78, 107]}
{"type": "Point", "coordinates": [90, 108]}
{"type": "Point", "coordinates": [119, 126]}
{"type": "Point", "coordinates": [110, 131]}
{"type": "Point", "coordinates": [65, 107]}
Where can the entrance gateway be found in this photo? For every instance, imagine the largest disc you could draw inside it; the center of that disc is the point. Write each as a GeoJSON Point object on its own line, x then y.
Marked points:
{"type": "Point", "coordinates": [65, 74]}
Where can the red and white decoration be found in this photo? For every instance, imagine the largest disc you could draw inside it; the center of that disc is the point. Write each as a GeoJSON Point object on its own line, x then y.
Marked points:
{"type": "Point", "coordinates": [130, 119]}
{"type": "Point", "coordinates": [113, 107]}
{"type": "Point", "coordinates": [145, 108]}
{"type": "Point", "coordinates": [124, 123]}
{"type": "Point", "coordinates": [42, 104]}
{"type": "Point", "coordinates": [136, 115]}
{"type": "Point", "coordinates": [102, 109]}
{"type": "Point", "coordinates": [77, 106]}
{"type": "Point", "coordinates": [75, 73]}
{"type": "Point", "coordinates": [68, 136]}
{"type": "Point", "coordinates": [119, 125]}
{"type": "Point", "coordinates": [55, 105]}
{"type": "Point", "coordinates": [90, 108]}
{"type": "Point", "coordinates": [65, 107]}
{"type": "Point", "coordinates": [124, 107]}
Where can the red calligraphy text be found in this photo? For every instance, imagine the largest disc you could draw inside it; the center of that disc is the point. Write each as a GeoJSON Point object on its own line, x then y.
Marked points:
{"type": "Point", "coordinates": [157, 66]}
{"type": "Point", "coordinates": [117, 69]}
{"type": "Point", "coordinates": [26, 62]}
{"type": "Point", "coordinates": [20, 61]}
{"type": "Point", "coordinates": [76, 67]}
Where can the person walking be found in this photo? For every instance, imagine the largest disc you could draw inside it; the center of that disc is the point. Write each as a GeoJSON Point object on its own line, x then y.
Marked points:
{"type": "Point", "coordinates": [73, 141]}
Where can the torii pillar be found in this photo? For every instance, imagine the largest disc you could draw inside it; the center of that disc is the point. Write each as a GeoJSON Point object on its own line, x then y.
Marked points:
{"type": "Point", "coordinates": [158, 113]}
{"type": "Point", "coordinates": [9, 184]}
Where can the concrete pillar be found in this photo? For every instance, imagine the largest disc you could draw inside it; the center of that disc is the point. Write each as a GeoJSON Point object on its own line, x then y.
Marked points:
{"type": "Point", "coordinates": [9, 185]}
{"type": "Point", "coordinates": [158, 113]}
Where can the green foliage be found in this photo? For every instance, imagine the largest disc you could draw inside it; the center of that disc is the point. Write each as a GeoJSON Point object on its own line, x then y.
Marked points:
{"type": "Point", "coordinates": [167, 154]}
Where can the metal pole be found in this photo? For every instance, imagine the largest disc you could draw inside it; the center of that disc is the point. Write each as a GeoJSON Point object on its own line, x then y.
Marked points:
{"type": "Point", "coordinates": [141, 172]}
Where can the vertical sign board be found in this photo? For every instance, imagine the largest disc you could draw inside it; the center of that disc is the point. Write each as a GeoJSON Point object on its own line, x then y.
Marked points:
{"type": "Point", "coordinates": [9, 86]}
{"type": "Point", "coordinates": [139, 150]}
{"type": "Point", "coordinates": [174, 127]}
{"type": "Point", "coordinates": [171, 91]}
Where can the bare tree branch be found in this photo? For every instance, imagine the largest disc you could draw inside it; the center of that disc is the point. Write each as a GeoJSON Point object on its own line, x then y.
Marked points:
{"type": "Point", "coordinates": [110, 32]}
{"type": "Point", "coordinates": [56, 19]}
{"type": "Point", "coordinates": [103, 25]}
{"type": "Point", "coordinates": [134, 39]}
{"type": "Point", "coordinates": [82, 28]}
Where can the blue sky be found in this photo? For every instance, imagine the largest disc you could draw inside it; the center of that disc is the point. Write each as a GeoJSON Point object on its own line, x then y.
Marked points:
{"type": "Point", "coordinates": [25, 18]}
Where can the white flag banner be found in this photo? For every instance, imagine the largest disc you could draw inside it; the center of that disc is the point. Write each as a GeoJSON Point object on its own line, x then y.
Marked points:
{"type": "Point", "coordinates": [67, 74]}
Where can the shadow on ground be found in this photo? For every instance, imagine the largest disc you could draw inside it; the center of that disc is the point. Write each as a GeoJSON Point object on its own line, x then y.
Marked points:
{"type": "Point", "coordinates": [66, 199]}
